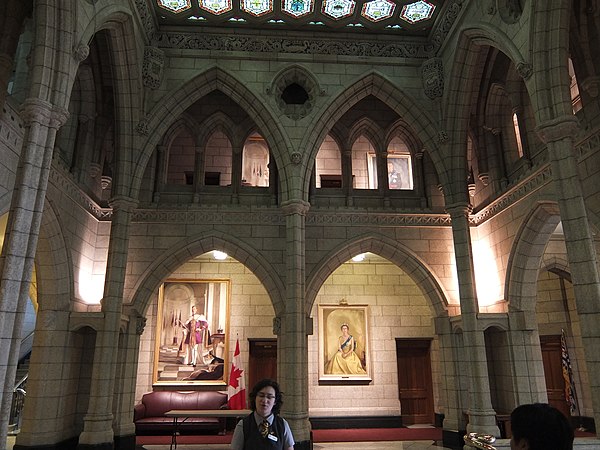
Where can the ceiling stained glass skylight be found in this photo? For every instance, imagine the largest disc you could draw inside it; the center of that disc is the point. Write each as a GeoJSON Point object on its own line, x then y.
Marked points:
{"type": "Point", "coordinates": [257, 7]}
{"type": "Point", "coordinates": [298, 8]}
{"type": "Point", "coordinates": [175, 6]}
{"type": "Point", "coordinates": [378, 10]}
{"type": "Point", "coordinates": [417, 12]}
{"type": "Point", "coordinates": [216, 6]}
{"type": "Point", "coordinates": [338, 9]}
{"type": "Point", "coordinates": [411, 17]}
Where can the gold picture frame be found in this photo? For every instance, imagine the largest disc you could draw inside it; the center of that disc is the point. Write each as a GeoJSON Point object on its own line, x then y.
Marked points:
{"type": "Point", "coordinates": [191, 343]}
{"type": "Point", "coordinates": [344, 355]}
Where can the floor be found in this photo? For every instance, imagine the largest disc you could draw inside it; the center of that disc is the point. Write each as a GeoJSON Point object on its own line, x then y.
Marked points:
{"type": "Point", "coordinates": [404, 445]}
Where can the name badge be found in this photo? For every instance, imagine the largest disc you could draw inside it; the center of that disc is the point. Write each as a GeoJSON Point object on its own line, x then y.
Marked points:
{"type": "Point", "coordinates": [272, 437]}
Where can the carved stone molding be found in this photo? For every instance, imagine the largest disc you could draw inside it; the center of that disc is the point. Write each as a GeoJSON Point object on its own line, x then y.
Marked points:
{"type": "Point", "coordinates": [296, 158]}
{"type": "Point", "coordinates": [44, 113]}
{"type": "Point", "coordinates": [524, 70]}
{"type": "Point", "coordinates": [81, 52]}
{"type": "Point", "coordinates": [558, 129]}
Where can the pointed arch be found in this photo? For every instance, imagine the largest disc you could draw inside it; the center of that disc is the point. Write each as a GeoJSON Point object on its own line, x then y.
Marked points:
{"type": "Point", "coordinates": [528, 249]}
{"type": "Point", "coordinates": [368, 128]}
{"type": "Point", "coordinates": [391, 250]}
{"type": "Point", "coordinates": [182, 97]}
{"type": "Point", "coordinates": [383, 89]}
{"type": "Point", "coordinates": [168, 262]}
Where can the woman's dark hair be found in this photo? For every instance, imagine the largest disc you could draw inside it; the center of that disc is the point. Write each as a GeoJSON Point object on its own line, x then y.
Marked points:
{"type": "Point", "coordinates": [542, 426]}
{"type": "Point", "coordinates": [261, 385]}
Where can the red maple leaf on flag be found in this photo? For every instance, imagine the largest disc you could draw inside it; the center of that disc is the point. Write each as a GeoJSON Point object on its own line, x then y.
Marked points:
{"type": "Point", "coordinates": [234, 378]}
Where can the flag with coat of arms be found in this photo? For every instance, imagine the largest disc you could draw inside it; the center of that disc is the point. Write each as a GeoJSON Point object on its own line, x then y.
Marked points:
{"type": "Point", "coordinates": [236, 390]}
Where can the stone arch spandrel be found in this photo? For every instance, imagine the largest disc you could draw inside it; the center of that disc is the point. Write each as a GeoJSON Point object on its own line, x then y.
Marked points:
{"type": "Point", "coordinates": [376, 85]}
{"type": "Point", "coordinates": [396, 253]}
{"type": "Point", "coordinates": [53, 263]}
{"type": "Point", "coordinates": [528, 250]}
{"type": "Point", "coordinates": [183, 96]}
{"type": "Point", "coordinates": [168, 262]}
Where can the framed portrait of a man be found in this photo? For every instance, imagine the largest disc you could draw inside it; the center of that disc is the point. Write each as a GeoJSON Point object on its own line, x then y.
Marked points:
{"type": "Point", "coordinates": [344, 355]}
{"type": "Point", "coordinates": [191, 332]}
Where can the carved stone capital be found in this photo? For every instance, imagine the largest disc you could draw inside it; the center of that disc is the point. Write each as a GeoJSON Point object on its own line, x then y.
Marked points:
{"type": "Point", "coordinates": [459, 210]}
{"type": "Point", "coordinates": [123, 203]}
{"type": "Point", "coordinates": [558, 129]}
{"type": "Point", "coordinates": [44, 113]}
{"type": "Point", "coordinates": [524, 69]}
{"type": "Point", "coordinates": [81, 52]}
{"type": "Point", "coordinates": [295, 207]}
{"type": "Point", "coordinates": [140, 324]}
{"type": "Point", "coordinates": [296, 158]}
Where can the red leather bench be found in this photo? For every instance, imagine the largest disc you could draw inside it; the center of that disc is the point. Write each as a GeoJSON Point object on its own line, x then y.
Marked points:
{"type": "Point", "coordinates": [149, 415]}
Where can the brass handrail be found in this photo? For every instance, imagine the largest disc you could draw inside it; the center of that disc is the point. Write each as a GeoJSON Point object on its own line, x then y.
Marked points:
{"type": "Point", "coordinates": [482, 441]}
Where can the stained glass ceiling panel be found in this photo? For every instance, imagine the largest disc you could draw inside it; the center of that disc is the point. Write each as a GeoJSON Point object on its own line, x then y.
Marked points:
{"type": "Point", "coordinates": [408, 17]}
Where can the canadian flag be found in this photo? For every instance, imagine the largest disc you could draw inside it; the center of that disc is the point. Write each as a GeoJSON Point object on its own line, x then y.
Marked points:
{"type": "Point", "coordinates": [236, 390]}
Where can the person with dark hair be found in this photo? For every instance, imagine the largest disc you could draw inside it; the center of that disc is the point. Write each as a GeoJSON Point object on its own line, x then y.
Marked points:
{"type": "Point", "coordinates": [264, 428]}
{"type": "Point", "coordinates": [539, 426]}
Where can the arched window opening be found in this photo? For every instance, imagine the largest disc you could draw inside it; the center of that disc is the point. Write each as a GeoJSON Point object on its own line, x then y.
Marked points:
{"type": "Point", "coordinates": [217, 160]}
{"type": "Point", "coordinates": [364, 164]}
{"type": "Point", "coordinates": [515, 120]}
{"type": "Point", "coordinates": [182, 157]}
{"type": "Point", "coordinates": [575, 96]}
{"type": "Point", "coordinates": [328, 165]}
{"type": "Point", "coordinates": [399, 166]}
{"type": "Point", "coordinates": [255, 162]}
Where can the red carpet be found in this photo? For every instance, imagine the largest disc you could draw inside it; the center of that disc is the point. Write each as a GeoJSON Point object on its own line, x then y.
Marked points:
{"type": "Point", "coordinates": [337, 435]}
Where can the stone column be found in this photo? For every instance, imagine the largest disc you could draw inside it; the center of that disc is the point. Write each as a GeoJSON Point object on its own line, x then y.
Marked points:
{"type": "Point", "coordinates": [41, 120]}
{"type": "Point", "coordinates": [161, 172]}
{"type": "Point", "coordinates": [347, 179]}
{"type": "Point", "coordinates": [129, 350]}
{"type": "Point", "coordinates": [236, 172]}
{"type": "Point", "coordinates": [482, 417]}
{"type": "Point", "coordinates": [198, 173]}
{"type": "Point", "coordinates": [97, 430]}
{"type": "Point", "coordinates": [558, 136]}
{"type": "Point", "coordinates": [293, 348]}
{"type": "Point", "coordinates": [420, 186]}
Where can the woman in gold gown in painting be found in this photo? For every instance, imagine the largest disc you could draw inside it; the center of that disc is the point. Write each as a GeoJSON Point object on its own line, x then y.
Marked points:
{"type": "Point", "coordinates": [345, 361]}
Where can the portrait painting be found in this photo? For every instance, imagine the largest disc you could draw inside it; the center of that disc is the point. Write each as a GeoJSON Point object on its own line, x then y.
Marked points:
{"type": "Point", "coordinates": [191, 332]}
{"type": "Point", "coordinates": [399, 171]}
{"type": "Point", "coordinates": [344, 355]}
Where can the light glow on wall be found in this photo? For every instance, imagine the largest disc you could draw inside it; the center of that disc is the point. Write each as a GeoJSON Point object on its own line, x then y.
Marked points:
{"type": "Point", "coordinates": [91, 286]}
{"type": "Point", "coordinates": [218, 255]}
{"type": "Point", "coordinates": [487, 279]}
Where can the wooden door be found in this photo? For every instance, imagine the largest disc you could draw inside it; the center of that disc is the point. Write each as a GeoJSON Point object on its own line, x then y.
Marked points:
{"type": "Point", "coordinates": [262, 360]}
{"type": "Point", "coordinates": [415, 385]}
{"type": "Point", "coordinates": [555, 383]}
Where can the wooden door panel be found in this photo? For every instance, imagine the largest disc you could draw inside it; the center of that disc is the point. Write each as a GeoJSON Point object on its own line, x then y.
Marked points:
{"type": "Point", "coordinates": [262, 361]}
{"type": "Point", "coordinates": [415, 386]}
{"type": "Point", "coordinates": [555, 383]}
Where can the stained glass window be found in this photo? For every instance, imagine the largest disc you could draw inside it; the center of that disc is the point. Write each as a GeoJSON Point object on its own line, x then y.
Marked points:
{"type": "Point", "coordinates": [257, 7]}
{"type": "Point", "coordinates": [338, 9]}
{"type": "Point", "coordinates": [378, 10]}
{"type": "Point", "coordinates": [216, 6]}
{"type": "Point", "coordinates": [418, 11]}
{"type": "Point", "coordinates": [175, 6]}
{"type": "Point", "coordinates": [298, 8]}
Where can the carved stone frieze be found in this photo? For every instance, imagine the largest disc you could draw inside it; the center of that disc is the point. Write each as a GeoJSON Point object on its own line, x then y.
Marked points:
{"type": "Point", "coordinates": [308, 46]}
{"type": "Point", "coordinates": [146, 18]}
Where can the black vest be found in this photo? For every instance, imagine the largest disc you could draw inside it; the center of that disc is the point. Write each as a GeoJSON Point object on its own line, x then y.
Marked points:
{"type": "Point", "coordinates": [253, 439]}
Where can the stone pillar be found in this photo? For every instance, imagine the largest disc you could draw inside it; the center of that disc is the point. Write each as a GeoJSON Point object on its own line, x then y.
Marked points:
{"type": "Point", "coordinates": [83, 147]}
{"type": "Point", "coordinates": [236, 172]}
{"type": "Point", "coordinates": [98, 430]}
{"type": "Point", "coordinates": [129, 349]}
{"type": "Point", "coordinates": [198, 173]}
{"type": "Point", "coordinates": [347, 178]}
{"type": "Point", "coordinates": [22, 66]}
{"type": "Point", "coordinates": [161, 171]}
{"type": "Point", "coordinates": [293, 339]}
{"type": "Point", "coordinates": [482, 417]}
{"type": "Point", "coordinates": [558, 136]}
{"type": "Point", "coordinates": [419, 185]}
{"type": "Point", "coordinates": [41, 120]}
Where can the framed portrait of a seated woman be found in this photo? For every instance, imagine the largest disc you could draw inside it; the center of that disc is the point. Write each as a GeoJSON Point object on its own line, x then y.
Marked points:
{"type": "Point", "coordinates": [344, 354]}
{"type": "Point", "coordinates": [192, 324]}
